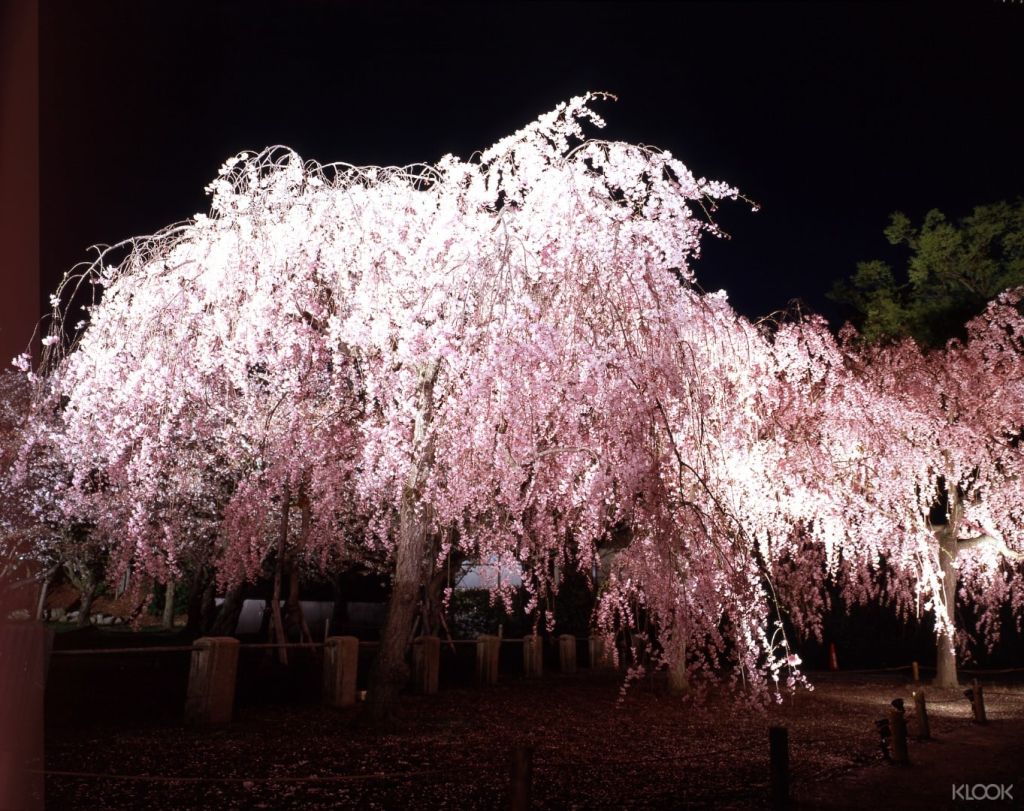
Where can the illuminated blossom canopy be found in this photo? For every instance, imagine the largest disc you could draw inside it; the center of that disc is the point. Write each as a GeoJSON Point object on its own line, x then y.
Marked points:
{"type": "Point", "coordinates": [507, 356]}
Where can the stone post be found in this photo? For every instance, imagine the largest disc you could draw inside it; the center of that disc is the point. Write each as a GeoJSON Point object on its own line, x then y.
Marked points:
{"type": "Point", "coordinates": [341, 660]}
{"type": "Point", "coordinates": [211, 681]}
{"type": "Point", "coordinates": [567, 653]}
{"type": "Point", "coordinates": [533, 656]}
{"type": "Point", "coordinates": [426, 657]}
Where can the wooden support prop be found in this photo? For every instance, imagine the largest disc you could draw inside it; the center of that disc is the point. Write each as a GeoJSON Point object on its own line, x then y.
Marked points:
{"type": "Point", "coordinates": [778, 762]}
{"type": "Point", "coordinates": [533, 656]}
{"type": "Point", "coordinates": [898, 729]}
{"type": "Point", "coordinates": [977, 698]}
{"type": "Point", "coordinates": [211, 681]}
{"type": "Point", "coordinates": [833, 662]}
{"type": "Point", "coordinates": [341, 661]}
{"type": "Point", "coordinates": [426, 656]}
{"type": "Point", "coordinates": [916, 672]}
{"type": "Point", "coordinates": [923, 729]}
{"type": "Point", "coordinates": [522, 777]}
{"type": "Point", "coordinates": [567, 653]}
{"type": "Point", "coordinates": [487, 647]}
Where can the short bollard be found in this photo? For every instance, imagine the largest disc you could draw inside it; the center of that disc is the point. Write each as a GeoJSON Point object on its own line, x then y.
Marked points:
{"type": "Point", "coordinates": [533, 656]}
{"type": "Point", "coordinates": [522, 775]}
{"type": "Point", "coordinates": [426, 657]}
{"type": "Point", "coordinates": [923, 729]}
{"type": "Point", "coordinates": [487, 648]}
{"type": "Point", "coordinates": [211, 681]}
{"type": "Point", "coordinates": [341, 660]}
{"type": "Point", "coordinates": [778, 761]}
{"type": "Point", "coordinates": [898, 730]}
{"type": "Point", "coordinates": [977, 698]}
{"type": "Point", "coordinates": [567, 653]}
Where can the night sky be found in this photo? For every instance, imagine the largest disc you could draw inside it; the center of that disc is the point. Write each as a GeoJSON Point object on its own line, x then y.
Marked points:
{"type": "Point", "coordinates": [830, 116]}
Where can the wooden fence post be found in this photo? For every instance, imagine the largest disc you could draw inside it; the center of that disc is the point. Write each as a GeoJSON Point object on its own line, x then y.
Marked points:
{"type": "Point", "coordinates": [211, 681]}
{"type": "Point", "coordinates": [778, 758]}
{"type": "Point", "coordinates": [426, 655]}
{"type": "Point", "coordinates": [533, 656]}
{"type": "Point", "coordinates": [923, 729]}
{"type": "Point", "coordinates": [567, 653]}
{"type": "Point", "coordinates": [977, 697]}
{"type": "Point", "coordinates": [341, 661]}
{"type": "Point", "coordinates": [898, 729]}
{"type": "Point", "coordinates": [487, 648]}
{"type": "Point", "coordinates": [522, 774]}
{"type": "Point", "coordinates": [600, 656]}
{"type": "Point", "coordinates": [24, 649]}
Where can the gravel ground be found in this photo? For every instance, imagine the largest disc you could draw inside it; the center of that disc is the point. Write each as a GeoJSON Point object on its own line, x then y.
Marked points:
{"type": "Point", "coordinates": [452, 750]}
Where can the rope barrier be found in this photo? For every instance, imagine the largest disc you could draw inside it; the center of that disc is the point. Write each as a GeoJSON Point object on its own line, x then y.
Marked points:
{"type": "Point", "coordinates": [323, 778]}
{"type": "Point", "coordinates": [153, 649]}
{"type": "Point", "coordinates": [600, 764]}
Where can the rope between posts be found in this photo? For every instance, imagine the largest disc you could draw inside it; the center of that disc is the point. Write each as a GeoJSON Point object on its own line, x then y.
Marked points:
{"type": "Point", "coordinates": [324, 778]}
{"type": "Point", "coordinates": [154, 649]}
{"type": "Point", "coordinates": [563, 764]}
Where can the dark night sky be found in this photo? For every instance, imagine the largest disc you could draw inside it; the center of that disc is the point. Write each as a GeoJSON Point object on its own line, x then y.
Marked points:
{"type": "Point", "coordinates": [828, 115]}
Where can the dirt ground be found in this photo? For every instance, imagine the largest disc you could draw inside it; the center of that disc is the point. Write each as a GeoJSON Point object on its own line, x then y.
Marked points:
{"type": "Point", "coordinates": [452, 750]}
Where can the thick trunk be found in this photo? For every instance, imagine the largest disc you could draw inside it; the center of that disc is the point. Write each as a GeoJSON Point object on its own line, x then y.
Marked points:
{"type": "Point", "coordinates": [197, 589]}
{"type": "Point", "coordinates": [85, 607]}
{"type": "Point", "coordinates": [230, 611]}
{"type": "Point", "coordinates": [294, 621]}
{"type": "Point", "coordinates": [390, 672]}
{"type": "Point", "coordinates": [168, 617]}
{"type": "Point", "coordinates": [945, 652]}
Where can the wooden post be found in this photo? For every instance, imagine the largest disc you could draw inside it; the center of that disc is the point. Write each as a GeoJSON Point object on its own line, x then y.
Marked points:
{"type": "Point", "coordinates": [522, 774]}
{"type": "Point", "coordinates": [211, 681]}
{"type": "Point", "coordinates": [833, 661]}
{"type": "Point", "coordinates": [341, 661]}
{"type": "Point", "coordinates": [778, 757]}
{"type": "Point", "coordinates": [533, 656]}
{"type": "Point", "coordinates": [487, 648]}
{"type": "Point", "coordinates": [978, 703]}
{"type": "Point", "coordinates": [567, 653]}
{"type": "Point", "coordinates": [923, 729]}
{"type": "Point", "coordinates": [600, 656]}
{"type": "Point", "coordinates": [23, 658]}
{"type": "Point", "coordinates": [898, 729]}
{"type": "Point", "coordinates": [426, 655]}
{"type": "Point", "coordinates": [916, 672]}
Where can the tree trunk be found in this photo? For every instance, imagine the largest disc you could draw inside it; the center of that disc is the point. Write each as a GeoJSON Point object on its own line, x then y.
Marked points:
{"type": "Point", "coordinates": [294, 620]}
{"type": "Point", "coordinates": [85, 606]}
{"type": "Point", "coordinates": [945, 652]}
{"type": "Point", "coordinates": [43, 591]}
{"type": "Point", "coordinates": [168, 618]}
{"type": "Point", "coordinates": [276, 624]}
{"type": "Point", "coordinates": [230, 610]}
{"type": "Point", "coordinates": [197, 588]}
{"type": "Point", "coordinates": [390, 672]}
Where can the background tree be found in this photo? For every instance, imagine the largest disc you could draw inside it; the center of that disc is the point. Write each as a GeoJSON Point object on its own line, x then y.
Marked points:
{"type": "Point", "coordinates": [954, 270]}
